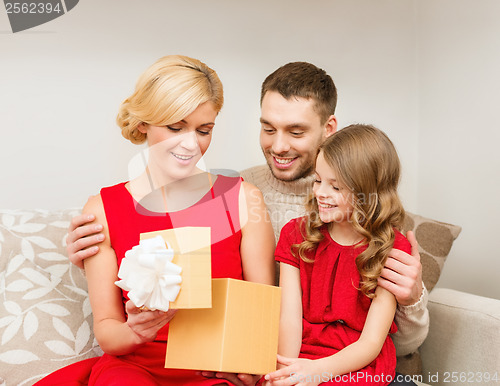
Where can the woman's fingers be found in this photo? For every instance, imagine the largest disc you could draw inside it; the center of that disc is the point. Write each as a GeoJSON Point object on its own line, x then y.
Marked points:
{"type": "Point", "coordinates": [145, 323]}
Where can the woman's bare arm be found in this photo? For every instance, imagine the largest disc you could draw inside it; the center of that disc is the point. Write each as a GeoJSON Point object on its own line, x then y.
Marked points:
{"type": "Point", "coordinates": [116, 335]}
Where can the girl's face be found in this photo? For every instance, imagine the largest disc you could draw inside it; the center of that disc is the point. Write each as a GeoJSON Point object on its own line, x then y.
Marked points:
{"type": "Point", "coordinates": [334, 199]}
{"type": "Point", "coordinates": [176, 149]}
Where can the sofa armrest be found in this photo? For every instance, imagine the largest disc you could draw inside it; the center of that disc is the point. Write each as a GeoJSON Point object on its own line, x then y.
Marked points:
{"type": "Point", "coordinates": [463, 338]}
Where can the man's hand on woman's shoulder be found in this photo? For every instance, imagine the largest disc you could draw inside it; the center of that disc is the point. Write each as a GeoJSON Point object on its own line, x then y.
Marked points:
{"type": "Point", "coordinates": [83, 237]}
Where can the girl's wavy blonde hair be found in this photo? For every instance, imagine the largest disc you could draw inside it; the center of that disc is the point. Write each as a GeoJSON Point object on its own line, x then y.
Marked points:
{"type": "Point", "coordinates": [364, 159]}
{"type": "Point", "coordinates": [167, 92]}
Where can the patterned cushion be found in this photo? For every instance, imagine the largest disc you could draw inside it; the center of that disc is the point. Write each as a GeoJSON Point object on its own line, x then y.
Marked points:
{"type": "Point", "coordinates": [45, 315]}
{"type": "Point", "coordinates": [435, 240]}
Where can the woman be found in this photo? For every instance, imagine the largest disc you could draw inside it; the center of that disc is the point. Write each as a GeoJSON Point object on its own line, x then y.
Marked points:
{"type": "Point", "coordinates": [173, 108]}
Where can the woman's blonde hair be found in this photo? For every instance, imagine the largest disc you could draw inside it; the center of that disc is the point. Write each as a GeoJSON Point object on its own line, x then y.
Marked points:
{"type": "Point", "coordinates": [167, 92]}
{"type": "Point", "coordinates": [364, 159]}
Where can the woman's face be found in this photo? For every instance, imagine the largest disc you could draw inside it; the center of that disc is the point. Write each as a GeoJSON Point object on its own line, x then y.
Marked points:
{"type": "Point", "coordinates": [176, 149]}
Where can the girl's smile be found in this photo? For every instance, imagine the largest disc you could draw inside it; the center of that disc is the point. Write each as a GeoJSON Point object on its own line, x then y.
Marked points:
{"type": "Point", "coordinates": [324, 206]}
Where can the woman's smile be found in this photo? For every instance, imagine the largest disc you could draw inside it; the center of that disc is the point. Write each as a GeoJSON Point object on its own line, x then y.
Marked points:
{"type": "Point", "coordinates": [183, 159]}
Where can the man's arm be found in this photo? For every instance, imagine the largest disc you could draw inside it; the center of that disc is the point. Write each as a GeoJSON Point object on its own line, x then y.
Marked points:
{"type": "Point", "coordinates": [413, 326]}
{"type": "Point", "coordinates": [83, 238]}
{"type": "Point", "coordinates": [402, 276]}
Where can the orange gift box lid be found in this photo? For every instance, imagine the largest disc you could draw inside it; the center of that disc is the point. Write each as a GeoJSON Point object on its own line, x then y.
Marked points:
{"type": "Point", "coordinates": [192, 252]}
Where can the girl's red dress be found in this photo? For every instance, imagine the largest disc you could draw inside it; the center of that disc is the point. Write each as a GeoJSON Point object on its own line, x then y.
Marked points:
{"type": "Point", "coordinates": [127, 219]}
{"type": "Point", "coordinates": [334, 310]}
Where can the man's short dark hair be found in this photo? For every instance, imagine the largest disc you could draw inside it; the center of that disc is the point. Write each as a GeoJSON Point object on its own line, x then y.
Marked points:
{"type": "Point", "coordinates": [304, 80]}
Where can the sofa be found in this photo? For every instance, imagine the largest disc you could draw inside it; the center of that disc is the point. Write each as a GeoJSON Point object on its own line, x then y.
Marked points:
{"type": "Point", "coordinates": [46, 321]}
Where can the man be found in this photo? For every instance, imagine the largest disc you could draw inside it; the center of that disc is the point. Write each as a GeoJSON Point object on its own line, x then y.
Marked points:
{"type": "Point", "coordinates": [298, 104]}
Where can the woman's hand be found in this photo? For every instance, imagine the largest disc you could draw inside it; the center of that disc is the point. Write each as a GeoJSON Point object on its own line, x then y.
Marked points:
{"type": "Point", "coordinates": [146, 324]}
{"type": "Point", "coordinates": [236, 379]}
{"type": "Point", "coordinates": [297, 371]}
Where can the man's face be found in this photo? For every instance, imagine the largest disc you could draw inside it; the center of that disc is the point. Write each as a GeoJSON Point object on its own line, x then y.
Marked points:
{"type": "Point", "coordinates": [291, 132]}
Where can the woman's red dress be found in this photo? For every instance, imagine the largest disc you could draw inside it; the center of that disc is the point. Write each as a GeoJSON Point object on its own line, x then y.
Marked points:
{"type": "Point", "coordinates": [127, 219]}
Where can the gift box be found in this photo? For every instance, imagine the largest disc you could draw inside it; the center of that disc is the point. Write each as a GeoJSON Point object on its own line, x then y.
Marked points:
{"type": "Point", "coordinates": [192, 252]}
{"type": "Point", "coordinates": [239, 334]}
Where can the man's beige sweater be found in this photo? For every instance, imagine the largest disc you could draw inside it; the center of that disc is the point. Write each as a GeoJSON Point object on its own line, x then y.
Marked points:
{"type": "Point", "coordinates": [285, 200]}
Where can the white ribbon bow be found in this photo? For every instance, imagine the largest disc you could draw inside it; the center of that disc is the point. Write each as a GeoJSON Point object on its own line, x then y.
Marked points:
{"type": "Point", "coordinates": [149, 276]}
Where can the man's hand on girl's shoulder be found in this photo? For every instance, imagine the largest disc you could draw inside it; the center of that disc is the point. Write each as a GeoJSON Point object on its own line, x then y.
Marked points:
{"type": "Point", "coordinates": [402, 274]}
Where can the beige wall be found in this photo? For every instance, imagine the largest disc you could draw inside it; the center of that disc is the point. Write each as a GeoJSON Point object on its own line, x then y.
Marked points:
{"type": "Point", "coordinates": [62, 82]}
{"type": "Point", "coordinates": [459, 134]}
{"type": "Point", "coordinates": [396, 64]}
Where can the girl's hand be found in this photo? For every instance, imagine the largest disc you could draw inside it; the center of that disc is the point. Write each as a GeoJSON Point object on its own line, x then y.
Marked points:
{"type": "Point", "coordinates": [146, 324]}
{"type": "Point", "coordinates": [297, 371]}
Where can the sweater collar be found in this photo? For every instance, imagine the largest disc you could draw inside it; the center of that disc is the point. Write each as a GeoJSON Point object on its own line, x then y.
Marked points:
{"type": "Point", "coordinates": [302, 186]}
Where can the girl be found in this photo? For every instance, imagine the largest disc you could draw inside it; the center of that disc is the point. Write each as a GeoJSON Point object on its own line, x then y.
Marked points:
{"type": "Point", "coordinates": [334, 319]}
{"type": "Point", "coordinates": [173, 109]}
